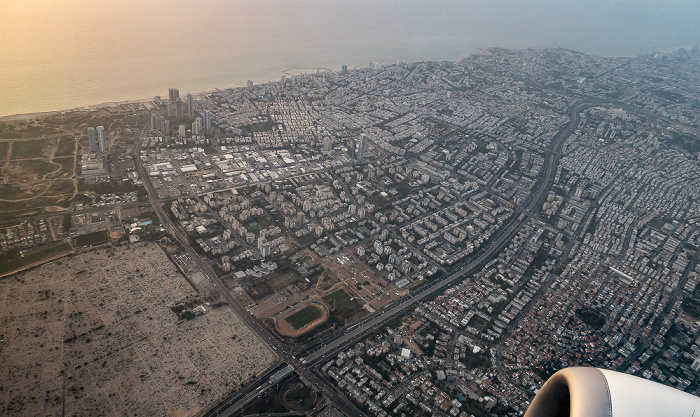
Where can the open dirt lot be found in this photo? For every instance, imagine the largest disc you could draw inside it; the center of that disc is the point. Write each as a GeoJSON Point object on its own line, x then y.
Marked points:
{"type": "Point", "coordinates": [95, 335]}
{"type": "Point", "coordinates": [364, 284]}
{"type": "Point", "coordinates": [39, 156]}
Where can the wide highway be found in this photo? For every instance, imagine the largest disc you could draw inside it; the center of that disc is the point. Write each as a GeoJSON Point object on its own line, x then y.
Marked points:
{"type": "Point", "coordinates": [237, 401]}
{"type": "Point", "coordinates": [372, 322]}
{"type": "Point", "coordinates": [329, 346]}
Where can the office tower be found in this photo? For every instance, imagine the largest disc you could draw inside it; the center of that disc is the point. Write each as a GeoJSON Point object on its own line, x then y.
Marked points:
{"type": "Point", "coordinates": [179, 108]}
{"type": "Point", "coordinates": [283, 80]}
{"type": "Point", "coordinates": [344, 69]}
{"type": "Point", "coordinates": [101, 139]}
{"type": "Point", "coordinates": [157, 100]}
{"type": "Point", "coordinates": [351, 148]}
{"type": "Point", "coordinates": [189, 106]}
{"type": "Point", "coordinates": [155, 125]}
{"type": "Point", "coordinates": [171, 109]}
{"type": "Point", "coordinates": [207, 120]}
{"type": "Point", "coordinates": [250, 85]}
{"type": "Point", "coordinates": [92, 137]}
{"type": "Point", "coordinates": [362, 142]}
{"type": "Point", "coordinates": [197, 126]}
{"type": "Point", "coordinates": [166, 127]}
{"type": "Point", "coordinates": [173, 94]}
{"type": "Point", "coordinates": [181, 131]}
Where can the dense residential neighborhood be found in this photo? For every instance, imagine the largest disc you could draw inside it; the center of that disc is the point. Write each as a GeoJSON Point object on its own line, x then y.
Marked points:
{"type": "Point", "coordinates": [558, 194]}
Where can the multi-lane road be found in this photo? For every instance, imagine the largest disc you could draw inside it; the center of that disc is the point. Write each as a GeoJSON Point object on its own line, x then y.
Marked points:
{"type": "Point", "coordinates": [332, 344]}
{"type": "Point", "coordinates": [275, 345]}
{"type": "Point", "coordinates": [372, 322]}
{"type": "Point", "coordinates": [327, 347]}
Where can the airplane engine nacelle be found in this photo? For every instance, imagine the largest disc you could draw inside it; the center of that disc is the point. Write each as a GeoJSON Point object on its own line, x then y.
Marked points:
{"type": "Point", "coordinates": [592, 392]}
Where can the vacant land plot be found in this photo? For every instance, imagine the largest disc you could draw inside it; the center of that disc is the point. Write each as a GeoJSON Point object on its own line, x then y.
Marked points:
{"type": "Point", "coordinates": [66, 146]}
{"type": "Point", "coordinates": [95, 335]}
{"type": "Point", "coordinates": [34, 153]}
{"type": "Point", "coordinates": [349, 312]}
{"type": "Point", "coordinates": [12, 191]}
{"type": "Point", "coordinates": [259, 290]}
{"type": "Point", "coordinates": [363, 284]}
{"type": "Point", "coordinates": [35, 148]}
{"type": "Point", "coordinates": [66, 164]}
{"type": "Point", "coordinates": [337, 298]}
{"type": "Point", "coordinates": [61, 187]}
{"type": "Point", "coordinates": [95, 238]}
{"type": "Point", "coordinates": [36, 168]}
{"type": "Point", "coordinates": [343, 307]}
{"type": "Point", "coordinates": [4, 148]}
{"type": "Point", "coordinates": [279, 281]}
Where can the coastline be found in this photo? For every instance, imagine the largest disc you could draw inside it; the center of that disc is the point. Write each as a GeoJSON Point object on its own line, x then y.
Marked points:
{"type": "Point", "coordinates": [290, 72]}
{"type": "Point", "coordinates": [92, 107]}
{"type": "Point", "coordinates": [26, 116]}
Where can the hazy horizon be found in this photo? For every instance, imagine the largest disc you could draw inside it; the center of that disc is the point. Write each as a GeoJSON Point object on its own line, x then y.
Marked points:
{"type": "Point", "coordinates": [70, 53]}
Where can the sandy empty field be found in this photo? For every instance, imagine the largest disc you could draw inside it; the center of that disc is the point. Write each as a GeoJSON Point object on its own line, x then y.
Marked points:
{"type": "Point", "coordinates": [371, 286]}
{"type": "Point", "coordinates": [95, 335]}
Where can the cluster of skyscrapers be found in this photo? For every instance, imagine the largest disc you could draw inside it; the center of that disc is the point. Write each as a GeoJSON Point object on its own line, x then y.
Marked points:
{"type": "Point", "coordinates": [97, 139]}
{"type": "Point", "coordinates": [173, 94]}
{"type": "Point", "coordinates": [181, 109]}
{"type": "Point", "coordinates": [160, 124]}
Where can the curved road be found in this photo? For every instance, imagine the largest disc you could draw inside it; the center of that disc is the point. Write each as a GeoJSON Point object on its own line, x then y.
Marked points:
{"type": "Point", "coordinates": [373, 321]}
{"type": "Point", "coordinates": [337, 341]}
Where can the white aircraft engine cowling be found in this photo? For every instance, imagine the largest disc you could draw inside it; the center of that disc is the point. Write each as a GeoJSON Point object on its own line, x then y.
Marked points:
{"type": "Point", "coordinates": [592, 392]}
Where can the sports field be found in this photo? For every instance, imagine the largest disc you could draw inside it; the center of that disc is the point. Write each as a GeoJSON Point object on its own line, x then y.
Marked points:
{"type": "Point", "coordinates": [304, 316]}
{"type": "Point", "coordinates": [34, 255]}
{"type": "Point", "coordinates": [94, 238]}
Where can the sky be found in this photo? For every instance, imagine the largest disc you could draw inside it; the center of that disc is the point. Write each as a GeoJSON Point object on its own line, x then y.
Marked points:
{"type": "Point", "coordinates": [73, 52]}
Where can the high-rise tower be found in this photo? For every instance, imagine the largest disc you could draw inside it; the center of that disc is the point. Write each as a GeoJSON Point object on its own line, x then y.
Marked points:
{"type": "Point", "coordinates": [197, 126]}
{"type": "Point", "coordinates": [179, 108]}
{"type": "Point", "coordinates": [189, 106]}
{"type": "Point", "coordinates": [101, 139]}
{"type": "Point", "coordinates": [361, 144]}
{"type": "Point", "coordinates": [166, 127]}
{"type": "Point", "coordinates": [92, 138]}
{"type": "Point", "coordinates": [351, 148]}
{"type": "Point", "coordinates": [207, 119]}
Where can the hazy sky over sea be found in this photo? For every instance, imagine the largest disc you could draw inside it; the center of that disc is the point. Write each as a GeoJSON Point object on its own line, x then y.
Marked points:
{"type": "Point", "coordinates": [58, 54]}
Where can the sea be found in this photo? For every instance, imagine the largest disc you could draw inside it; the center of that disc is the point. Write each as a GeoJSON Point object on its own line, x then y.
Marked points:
{"type": "Point", "coordinates": [64, 54]}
